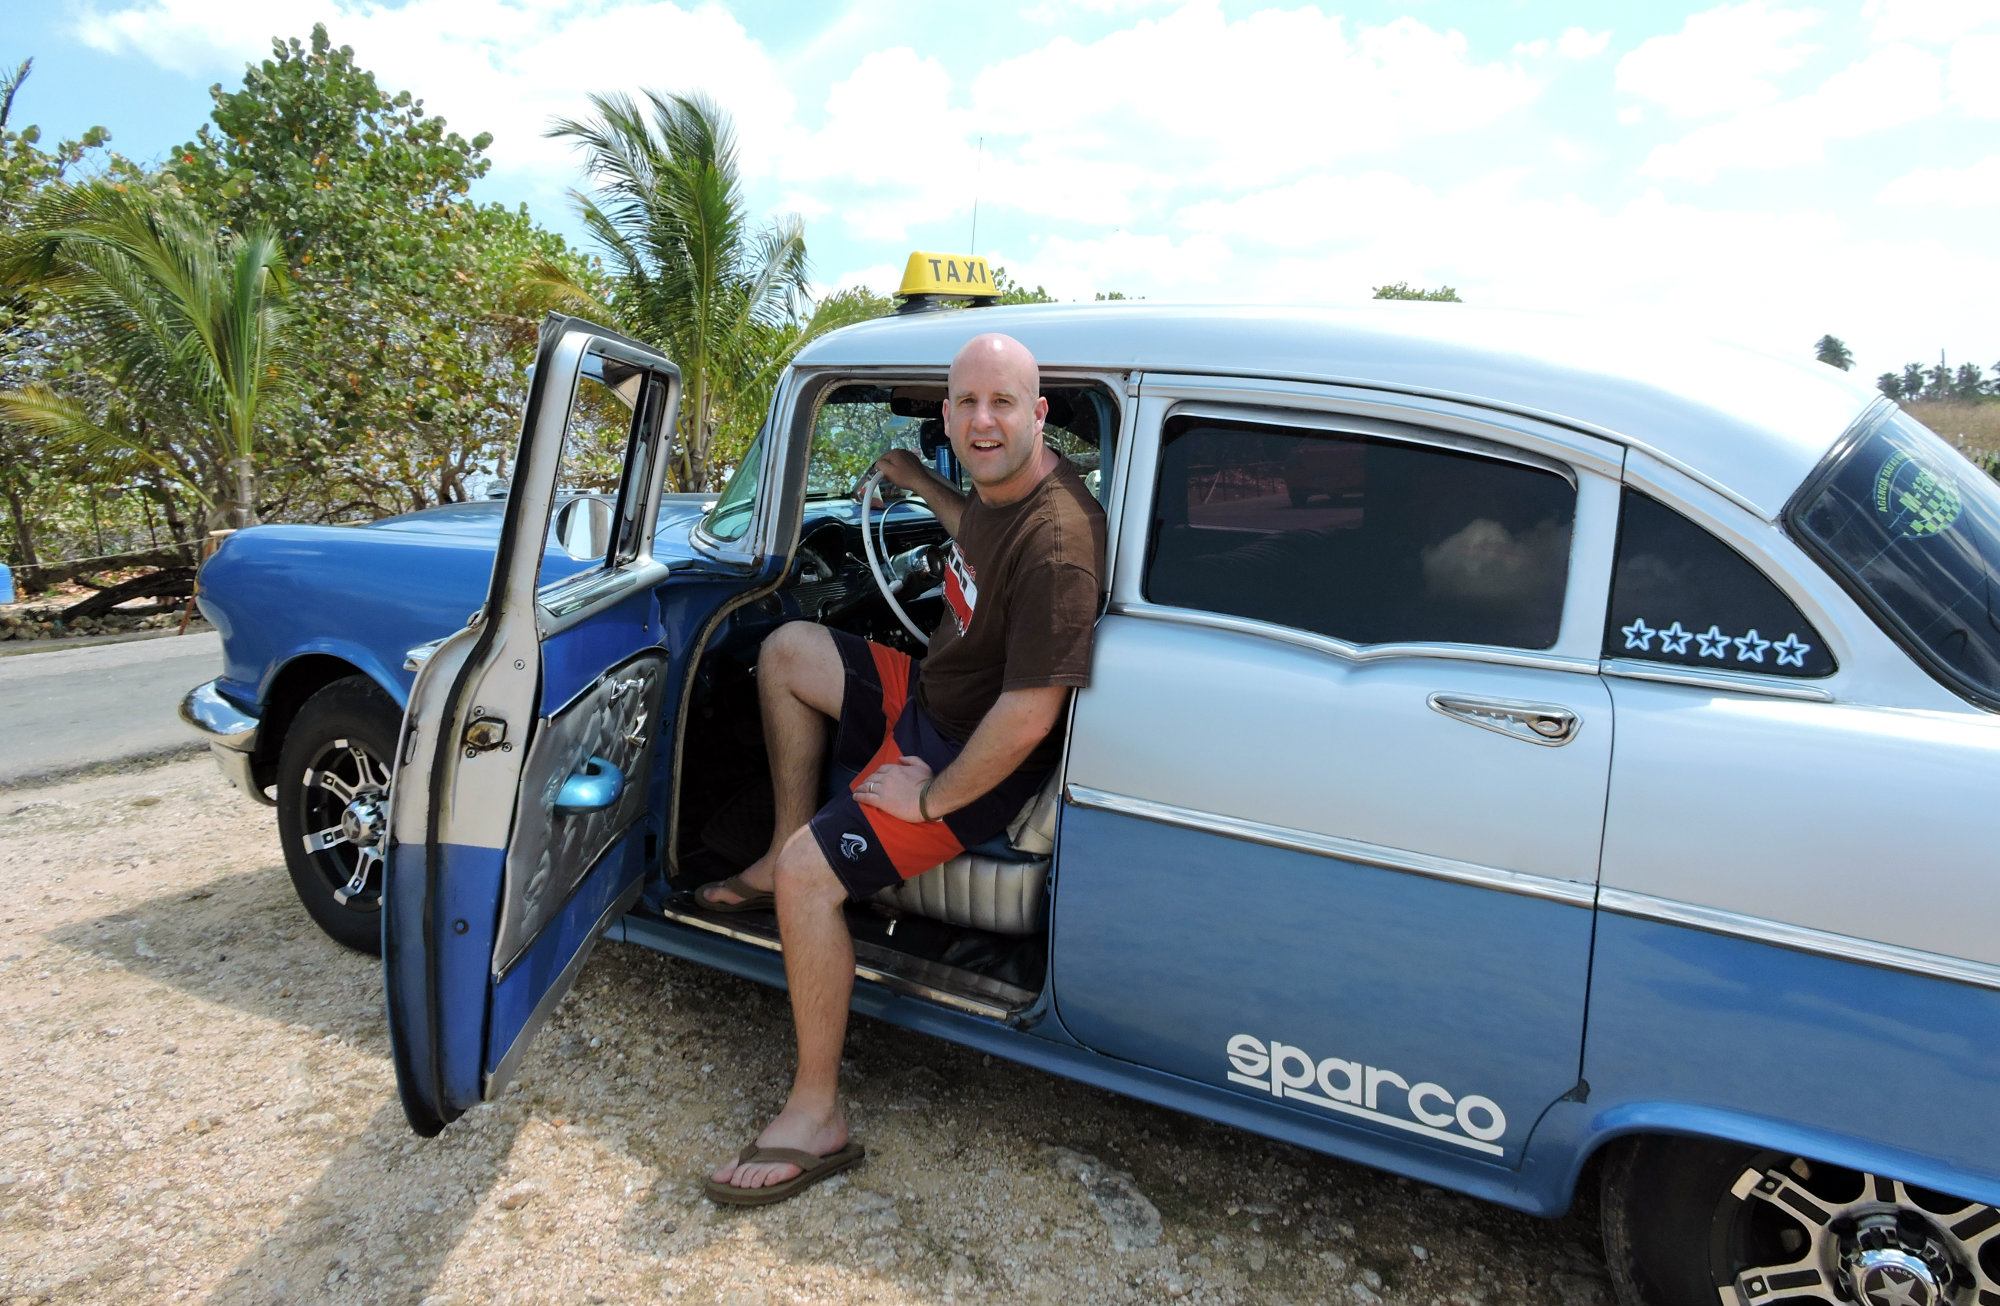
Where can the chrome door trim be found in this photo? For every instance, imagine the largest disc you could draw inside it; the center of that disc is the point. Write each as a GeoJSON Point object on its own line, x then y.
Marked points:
{"type": "Point", "coordinates": [1338, 423]}
{"type": "Point", "coordinates": [1735, 682]}
{"type": "Point", "coordinates": [1800, 938]}
{"type": "Point", "coordinates": [1340, 648]}
{"type": "Point", "coordinates": [1551, 434]}
{"type": "Point", "coordinates": [895, 983]}
{"type": "Point", "coordinates": [1546, 724]}
{"type": "Point", "coordinates": [1572, 892]}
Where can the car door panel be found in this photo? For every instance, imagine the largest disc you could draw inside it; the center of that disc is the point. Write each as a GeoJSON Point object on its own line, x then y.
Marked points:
{"type": "Point", "coordinates": [499, 879]}
{"type": "Point", "coordinates": [1348, 872]}
{"type": "Point", "coordinates": [1364, 871]}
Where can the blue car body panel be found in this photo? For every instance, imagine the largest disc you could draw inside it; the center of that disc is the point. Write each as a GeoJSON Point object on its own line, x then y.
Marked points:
{"type": "Point", "coordinates": [1690, 1028]}
{"type": "Point", "coordinates": [1378, 986]}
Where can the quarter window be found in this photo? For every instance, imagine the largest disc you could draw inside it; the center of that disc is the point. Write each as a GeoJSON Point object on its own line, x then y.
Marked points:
{"type": "Point", "coordinates": [1681, 596]}
{"type": "Point", "coordinates": [1367, 539]}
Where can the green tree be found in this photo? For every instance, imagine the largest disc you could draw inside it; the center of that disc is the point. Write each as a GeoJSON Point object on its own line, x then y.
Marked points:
{"type": "Point", "coordinates": [1969, 382]}
{"type": "Point", "coordinates": [1404, 290]}
{"type": "Point", "coordinates": [1891, 384]}
{"type": "Point", "coordinates": [33, 474]}
{"type": "Point", "coordinates": [411, 370]}
{"type": "Point", "coordinates": [164, 310]}
{"type": "Point", "coordinates": [690, 273]}
{"type": "Point", "coordinates": [1913, 380]}
{"type": "Point", "coordinates": [1833, 351]}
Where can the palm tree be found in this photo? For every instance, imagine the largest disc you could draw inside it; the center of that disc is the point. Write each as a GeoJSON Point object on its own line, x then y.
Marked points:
{"type": "Point", "coordinates": [190, 328]}
{"type": "Point", "coordinates": [690, 274]}
{"type": "Point", "coordinates": [1833, 351]}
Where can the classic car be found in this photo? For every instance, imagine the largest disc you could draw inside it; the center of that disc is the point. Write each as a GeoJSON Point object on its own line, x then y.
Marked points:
{"type": "Point", "coordinates": [1596, 787]}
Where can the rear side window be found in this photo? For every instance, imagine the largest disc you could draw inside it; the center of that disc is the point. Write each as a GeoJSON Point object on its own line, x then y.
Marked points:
{"type": "Point", "coordinates": [1682, 597]}
{"type": "Point", "coordinates": [1369, 540]}
{"type": "Point", "coordinates": [1913, 531]}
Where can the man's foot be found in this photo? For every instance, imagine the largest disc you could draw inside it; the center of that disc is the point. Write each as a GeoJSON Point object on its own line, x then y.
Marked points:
{"type": "Point", "coordinates": [819, 1135]}
{"type": "Point", "coordinates": [751, 889]}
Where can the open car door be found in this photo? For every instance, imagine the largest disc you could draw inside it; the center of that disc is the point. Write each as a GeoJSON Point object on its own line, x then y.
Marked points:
{"type": "Point", "coordinates": [521, 814]}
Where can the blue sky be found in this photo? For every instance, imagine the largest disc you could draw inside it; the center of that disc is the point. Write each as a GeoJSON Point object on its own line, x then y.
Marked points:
{"type": "Point", "coordinates": [1764, 171]}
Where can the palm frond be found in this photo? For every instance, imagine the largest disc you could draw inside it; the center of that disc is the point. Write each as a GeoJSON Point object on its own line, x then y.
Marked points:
{"type": "Point", "coordinates": [71, 428]}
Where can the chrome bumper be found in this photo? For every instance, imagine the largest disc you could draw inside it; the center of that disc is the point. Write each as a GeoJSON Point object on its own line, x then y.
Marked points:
{"type": "Point", "coordinates": [231, 734]}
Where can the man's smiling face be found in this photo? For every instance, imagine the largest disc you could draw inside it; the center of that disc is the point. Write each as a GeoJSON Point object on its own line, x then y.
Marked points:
{"type": "Point", "coordinates": [993, 413]}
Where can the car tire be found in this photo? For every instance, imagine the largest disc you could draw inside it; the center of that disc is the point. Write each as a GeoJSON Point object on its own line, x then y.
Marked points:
{"type": "Point", "coordinates": [333, 782]}
{"type": "Point", "coordinates": [1693, 1222]}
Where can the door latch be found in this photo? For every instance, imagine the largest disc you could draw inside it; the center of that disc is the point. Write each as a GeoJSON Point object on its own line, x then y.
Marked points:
{"type": "Point", "coordinates": [485, 734]}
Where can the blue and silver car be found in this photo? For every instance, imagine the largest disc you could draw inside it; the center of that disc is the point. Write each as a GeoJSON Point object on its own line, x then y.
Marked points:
{"type": "Point", "coordinates": [1591, 778]}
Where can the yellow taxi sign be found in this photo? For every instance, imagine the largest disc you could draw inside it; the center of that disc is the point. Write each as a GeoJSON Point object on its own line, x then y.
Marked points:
{"type": "Point", "coordinates": [960, 275]}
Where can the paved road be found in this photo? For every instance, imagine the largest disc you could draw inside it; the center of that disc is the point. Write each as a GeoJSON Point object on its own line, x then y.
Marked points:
{"type": "Point", "coordinates": [69, 709]}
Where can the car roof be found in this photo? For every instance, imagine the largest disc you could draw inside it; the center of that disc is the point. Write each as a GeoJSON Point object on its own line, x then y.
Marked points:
{"type": "Point", "coordinates": [1750, 424]}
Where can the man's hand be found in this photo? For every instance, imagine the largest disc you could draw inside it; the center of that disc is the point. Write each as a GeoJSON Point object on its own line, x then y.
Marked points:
{"type": "Point", "coordinates": [904, 469]}
{"type": "Point", "coordinates": [900, 467]}
{"type": "Point", "coordinates": [894, 786]}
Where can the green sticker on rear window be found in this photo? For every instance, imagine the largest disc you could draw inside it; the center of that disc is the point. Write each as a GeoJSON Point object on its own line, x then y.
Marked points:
{"type": "Point", "coordinates": [1916, 499]}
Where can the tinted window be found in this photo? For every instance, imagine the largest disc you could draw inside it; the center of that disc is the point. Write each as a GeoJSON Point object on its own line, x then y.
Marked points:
{"type": "Point", "coordinates": [1681, 596]}
{"type": "Point", "coordinates": [1913, 530]}
{"type": "Point", "coordinates": [1369, 540]}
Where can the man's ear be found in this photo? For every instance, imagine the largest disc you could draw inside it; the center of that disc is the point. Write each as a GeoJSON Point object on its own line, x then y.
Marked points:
{"type": "Point", "coordinates": [1041, 412]}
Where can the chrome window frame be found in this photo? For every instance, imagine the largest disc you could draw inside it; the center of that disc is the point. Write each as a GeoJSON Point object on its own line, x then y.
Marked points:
{"type": "Point", "coordinates": [1591, 465]}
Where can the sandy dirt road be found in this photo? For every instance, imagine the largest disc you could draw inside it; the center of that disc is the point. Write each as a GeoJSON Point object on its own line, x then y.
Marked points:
{"type": "Point", "coordinates": [200, 1106]}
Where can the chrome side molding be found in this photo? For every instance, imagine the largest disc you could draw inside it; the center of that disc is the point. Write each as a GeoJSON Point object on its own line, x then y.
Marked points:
{"type": "Point", "coordinates": [1800, 938]}
{"type": "Point", "coordinates": [1576, 893]}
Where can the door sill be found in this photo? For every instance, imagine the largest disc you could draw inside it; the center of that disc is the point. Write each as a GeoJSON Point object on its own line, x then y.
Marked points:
{"type": "Point", "coordinates": [950, 986]}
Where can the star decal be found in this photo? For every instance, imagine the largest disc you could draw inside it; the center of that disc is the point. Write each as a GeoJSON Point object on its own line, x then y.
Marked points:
{"type": "Point", "coordinates": [1713, 643]}
{"type": "Point", "coordinates": [1749, 648]}
{"type": "Point", "coordinates": [1791, 653]}
{"type": "Point", "coordinates": [1888, 1286]}
{"type": "Point", "coordinates": [1639, 635]}
{"type": "Point", "coordinates": [1674, 639]}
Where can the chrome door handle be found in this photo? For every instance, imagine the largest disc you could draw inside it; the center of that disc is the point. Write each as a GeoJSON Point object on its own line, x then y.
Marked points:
{"type": "Point", "coordinates": [1534, 723]}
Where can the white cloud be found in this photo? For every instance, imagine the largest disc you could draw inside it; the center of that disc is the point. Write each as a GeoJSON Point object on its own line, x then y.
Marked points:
{"type": "Point", "coordinates": [1890, 87]}
{"type": "Point", "coordinates": [1574, 43]}
{"type": "Point", "coordinates": [504, 66]}
{"type": "Point", "coordinates": [1936, 22]}
{"type": "Point", "coordinates": [1974, 186]}
{"type": "Point", "coordinates": [1270, 95]}
{"type": "Point", "coordinates": [1580, 43]}
{"type": "Point", "coordinates": [1975, 76]}
{"type": "Point", "coordinates": [1721, 60]}
{"type": "Point", "coordinates": [1755, 276]}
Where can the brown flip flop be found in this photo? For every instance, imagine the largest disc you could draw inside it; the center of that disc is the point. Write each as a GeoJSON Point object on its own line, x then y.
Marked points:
{"type": "Point", "coordinates": [751, 898]}
{"type": "Point", "coordinates": [812, 1169]}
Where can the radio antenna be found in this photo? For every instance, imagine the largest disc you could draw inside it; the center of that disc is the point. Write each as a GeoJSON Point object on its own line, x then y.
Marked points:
{"type": "Point", "coordinates": [979, 166]}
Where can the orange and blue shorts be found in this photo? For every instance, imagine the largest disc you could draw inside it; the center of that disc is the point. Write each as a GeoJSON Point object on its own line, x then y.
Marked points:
{"type": "Point", "coordinates": [881, 720]}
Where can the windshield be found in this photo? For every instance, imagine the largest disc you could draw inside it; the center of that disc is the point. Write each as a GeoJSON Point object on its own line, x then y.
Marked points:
{"type": "Point", "coordinates": [731, 515]}
{"type": "Point", "coordinates": [1913, 530]}
{"type": "Point", "coordinates": [857, 424]}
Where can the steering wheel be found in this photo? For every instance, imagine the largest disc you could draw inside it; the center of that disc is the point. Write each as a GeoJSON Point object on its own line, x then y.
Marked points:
{"type": "Point", "coordinates": [875, 551]}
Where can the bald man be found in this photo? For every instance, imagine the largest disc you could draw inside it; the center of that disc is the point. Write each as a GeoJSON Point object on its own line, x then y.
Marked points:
{"type": "Point", "coordinates": [947, 750]}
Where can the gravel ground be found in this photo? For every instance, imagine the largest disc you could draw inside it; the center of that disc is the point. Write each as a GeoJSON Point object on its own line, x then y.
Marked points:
{"type": "Point", "coordinates": [200, 1104]}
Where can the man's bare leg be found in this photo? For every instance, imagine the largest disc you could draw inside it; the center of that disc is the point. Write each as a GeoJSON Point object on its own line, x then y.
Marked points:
{"type": "Point", "coordinates": [800, 683]}
{"type": "Point", "coordinates": [819, 970]}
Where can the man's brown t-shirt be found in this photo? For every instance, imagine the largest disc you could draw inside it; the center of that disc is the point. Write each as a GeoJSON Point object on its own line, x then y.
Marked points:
{"type": "Point", "coordinates": [1021, 588]}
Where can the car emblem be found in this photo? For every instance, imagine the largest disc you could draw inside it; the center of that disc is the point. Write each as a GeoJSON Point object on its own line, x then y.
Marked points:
{"type": "Point", "coordinates": [1892, 1285]}
{"type": "Point", "coordinates": [852, 846]}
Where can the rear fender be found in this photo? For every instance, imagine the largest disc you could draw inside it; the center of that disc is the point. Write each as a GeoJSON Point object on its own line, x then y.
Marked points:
{"type": "Point", "coordinates": [1603, 1128]}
